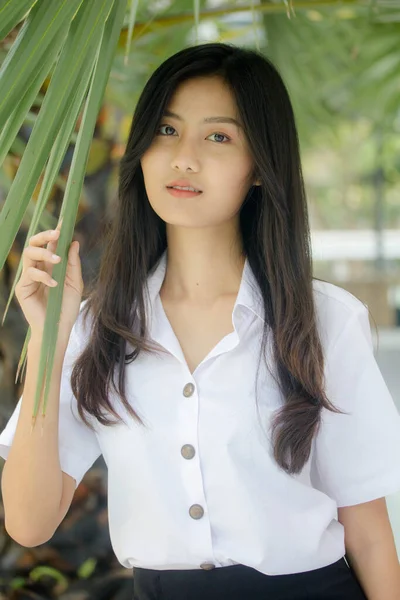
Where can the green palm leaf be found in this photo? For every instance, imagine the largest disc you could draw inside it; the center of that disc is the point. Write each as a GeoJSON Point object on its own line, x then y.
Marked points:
{"type": "Point", "coordinates": [11, 13]}
{"type": "Point", "coordinates": [92, 37]}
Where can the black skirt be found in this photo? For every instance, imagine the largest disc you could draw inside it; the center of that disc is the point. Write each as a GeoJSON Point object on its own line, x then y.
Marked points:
{"type": "Point", "coordinates": [240, 582]}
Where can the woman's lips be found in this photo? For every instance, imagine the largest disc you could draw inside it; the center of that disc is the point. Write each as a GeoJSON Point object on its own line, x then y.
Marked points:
{"type": "Point", "coordinates": [182, 193]}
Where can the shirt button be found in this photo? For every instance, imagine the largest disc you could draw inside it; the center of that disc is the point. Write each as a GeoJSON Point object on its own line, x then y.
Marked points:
{"type": "Point", "coordinates": [207, 566]}
{"type": "Point", "coordinates": [188, 390]}
{"type": "Point", "coordinates": [196, 511]}
{"type": "Point", "coordinates": [188, 451]}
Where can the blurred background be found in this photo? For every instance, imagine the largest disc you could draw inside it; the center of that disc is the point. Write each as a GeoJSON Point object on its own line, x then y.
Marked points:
{"type": "Point", "coordinates": [341, 65]}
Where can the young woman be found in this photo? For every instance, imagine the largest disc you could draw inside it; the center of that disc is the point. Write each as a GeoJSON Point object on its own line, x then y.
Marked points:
{"type": "Point", "coordinates": [251, 418]}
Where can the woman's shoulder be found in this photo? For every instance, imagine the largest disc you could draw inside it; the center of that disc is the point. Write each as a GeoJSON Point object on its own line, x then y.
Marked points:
{"type": "Point", "coordinates": [335, 308]}
{"type": "Point", "coordinates": [328, 294]}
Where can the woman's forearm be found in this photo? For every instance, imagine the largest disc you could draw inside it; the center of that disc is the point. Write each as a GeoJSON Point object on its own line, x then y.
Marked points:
{"type": "Point", "coordinates": [377, 569]}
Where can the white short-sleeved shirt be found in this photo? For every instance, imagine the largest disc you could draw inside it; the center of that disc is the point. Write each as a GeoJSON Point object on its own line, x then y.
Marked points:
{"type": "Point", "coordinates": [199, 484]}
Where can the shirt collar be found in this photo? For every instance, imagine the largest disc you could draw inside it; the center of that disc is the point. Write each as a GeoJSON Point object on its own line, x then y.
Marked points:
{"type": "Point", "coordinates": [249, 294]}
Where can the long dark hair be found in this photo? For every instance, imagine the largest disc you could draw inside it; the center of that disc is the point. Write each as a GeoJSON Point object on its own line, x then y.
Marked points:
{"type": "Point", "coordinates": [276, 241]}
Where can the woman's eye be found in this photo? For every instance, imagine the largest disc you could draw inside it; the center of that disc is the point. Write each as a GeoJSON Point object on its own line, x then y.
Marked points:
{"type": "Point", "coordinates": [161, 126]}
{"type": "Point", "coordinates": [221, 135]}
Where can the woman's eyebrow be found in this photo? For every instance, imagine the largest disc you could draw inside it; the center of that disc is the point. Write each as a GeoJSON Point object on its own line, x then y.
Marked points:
{"type": "Point", "coordinates": [168, 113]}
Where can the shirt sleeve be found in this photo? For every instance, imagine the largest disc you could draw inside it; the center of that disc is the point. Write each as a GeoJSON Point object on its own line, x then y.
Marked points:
{"type": "Point", "coordinates": [356, 456]}
{"type": "Point", "coordinates": [78, 444]}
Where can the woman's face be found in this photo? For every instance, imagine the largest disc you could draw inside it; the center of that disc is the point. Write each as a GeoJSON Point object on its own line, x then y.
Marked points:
{"type": "Point", "coordinates": [213, 156]}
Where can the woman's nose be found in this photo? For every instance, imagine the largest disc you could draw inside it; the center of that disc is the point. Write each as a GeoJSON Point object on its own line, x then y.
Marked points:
{"type": "Point", "coordinates": [185, 156]}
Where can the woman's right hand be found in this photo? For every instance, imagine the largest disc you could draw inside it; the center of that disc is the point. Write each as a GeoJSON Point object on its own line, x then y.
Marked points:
{"type": "Point", "coordinates": [32, 289]}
